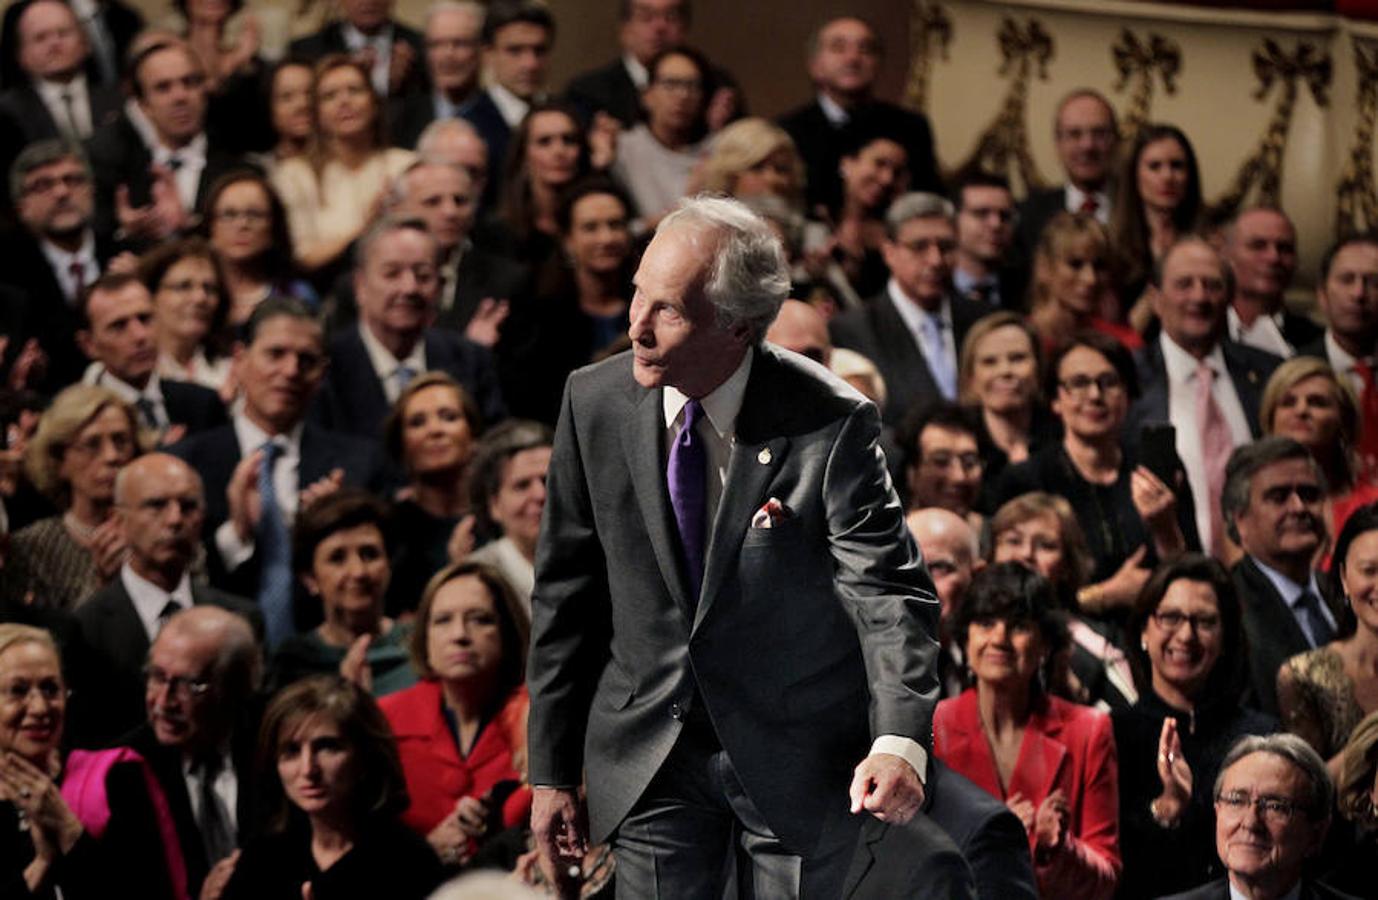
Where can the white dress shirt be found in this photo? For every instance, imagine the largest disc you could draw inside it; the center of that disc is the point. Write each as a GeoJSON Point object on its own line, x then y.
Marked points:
{"type": "Point", "coordinates": [1293, 894]}
{"type": "Point", "coordinates": [1291, 593]}
{"type": "Point", "coordinates": [916, 319]}
{"type": "Point", "coordinates": [638, 73]}
{"type": "Point", "coordinates": [833, 111]}
{"type": "Point", "coordinates": [510, 106]}
{"type": "Point", "coordinates": [1265, 333]}
{"type": "Point", "coordinates": [51, 93]}
{"type": "Point", "coordinates": [1074, 197]}
{"type": "Point", "coordinates": [98, 374]}
{"type": "Point", "coordinates": [60, 261]}
{"type": "Point", "coordinates": [388, 367]}
{"type": "Point", "coordinates": [381, 44]}
{"type": "Point", "coordinates": [718, 429]}
{"type": "Point", "coordinates": [286, 484]}
{"type": "Point", "coordinates": [150, 600]}
{"type": "Point", "coordinates": [226, 788]}
{"type": "Point", "coordinates": [191, 162]}
{"type": "Point", "coordinates": [1343, 362]}
{"type": "Point", "coordinates": [1181, 377]}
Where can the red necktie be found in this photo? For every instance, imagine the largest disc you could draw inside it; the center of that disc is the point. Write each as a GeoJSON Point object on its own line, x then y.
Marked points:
{"type": "Point", "coordinates": [1089, 205]}
{"type": "Point", "coordinates": [1368, 419]}
{"type": "Point", "coordinates": [78, 273]}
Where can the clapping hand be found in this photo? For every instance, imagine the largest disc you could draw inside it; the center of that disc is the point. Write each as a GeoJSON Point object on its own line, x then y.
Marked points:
{"type": "Point", "coordinates": [486, 324]}
{"type": "Point", "coordinates": [354, 667]}
{"type": "Point", "coordinates": [1052, 820]}
{"type": "Point", "coordinates": [1175, 774]}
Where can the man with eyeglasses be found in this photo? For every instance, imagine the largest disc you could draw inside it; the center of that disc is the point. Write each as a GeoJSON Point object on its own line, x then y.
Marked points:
{"type": "Point", "coordinates": [159, 505]}
{"type": "Point", "coordinates": [1085, 135]}
{"type": "Point", "coordinates": [1273, 799]}
{"type": "Point", "coordinates": [985, 270]}
{"type": "Point", "coordinates": [452, 38]}
{"type": "Point", "coordinates": [942, 460]}
{"type": "Point", "coordinates": [913, 329]}
{"type": "Point", "coordinates": [1273, 504]}
{"type": "Point", "coordinates": [117, 335]}
{"type": "Point", "coordinates": [202, 707]}
{"type": "Point", "coordinates": [646, 28]}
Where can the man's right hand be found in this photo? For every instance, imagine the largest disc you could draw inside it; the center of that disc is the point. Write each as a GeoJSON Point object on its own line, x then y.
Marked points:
{"type": "Point", "coordinates": [559, 822]}
{"type": "Point", "coordinates": [242, 495]}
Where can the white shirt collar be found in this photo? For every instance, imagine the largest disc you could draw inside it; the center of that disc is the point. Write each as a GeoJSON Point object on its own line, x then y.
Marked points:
{"type": "Point", "coordinates": [833, 112]}
{"type": "Point", "coordinates": [356, 40]}
{"type": "Point", "coordinates": [720, 404]}
{"type": "Point", "coordinates": [636, 71]}
{"type": "Point", "coordinates": [152, 392]}
{"type": "Point", "coordinates": [62, 260]}
{"type": "Point", "coordinates": [1265, 333]}
{"type": "Point", "coordinates": [1074, 197]}
{"type": "Point", "coordinates": [1293, 894]}
{"type": "Point", "coordinates": [512, 107]}
{"type": "Point", "coordinates": [150, 600]}
{"type": "Point", "coordinates": [192, 154]}
{"type": "Point", "coordinates": [1181, 365]}
{"type": "Point", "coordinates": [251, 437]}
{"type": "Point", "coordinates": [384, 363]}
{"type": "Point", "coordinates": [1341, 360]}
{"type": "Point", "coordinates": [1286, 587]}
{"type": "Point", "coordinates": [913, 314]}
{"type": "Point", "coordinates": [52, 91]}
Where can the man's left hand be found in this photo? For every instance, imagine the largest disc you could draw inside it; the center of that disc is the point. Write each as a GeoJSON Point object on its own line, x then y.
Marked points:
{"type": "Point", "coordinates": [887, 787]}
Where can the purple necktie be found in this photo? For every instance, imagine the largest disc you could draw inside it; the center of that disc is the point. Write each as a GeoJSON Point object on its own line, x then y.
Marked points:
{"type": "Point", "coordinates": [686, 475]}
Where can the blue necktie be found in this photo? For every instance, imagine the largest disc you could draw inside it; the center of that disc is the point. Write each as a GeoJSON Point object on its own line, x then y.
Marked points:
{"type": "Point", "coordinates": [687, 474]}
{"type": "Point", "coordinates": [275, 555]}
{"type": "Point", "coordinates": [1309, 606]}
{"type": "Point", "coordinates": [405, 374]}
{"type": "Point", "coordinates": [936, 351]}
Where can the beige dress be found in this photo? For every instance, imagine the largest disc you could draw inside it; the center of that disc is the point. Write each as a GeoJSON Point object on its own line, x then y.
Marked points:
{"type": "Point", "coordinates": [337, 204]}
{"type": "Point", "coordinates": [1315, 692]}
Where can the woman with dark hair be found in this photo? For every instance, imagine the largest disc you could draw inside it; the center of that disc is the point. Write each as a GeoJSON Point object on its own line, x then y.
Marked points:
{"type": "Point", "coordinates": [291, 99]}
{"type": "Point", "coordinates": [1130, 517]}
{"type": "Point", "coordinates": [247, 225]}
{"type": "Point", "coordinates": [507, 490]}
{"type": "Point", "coordinates": [190, 306]}
{"type": "Point", "coordinates": [430, 435]}
{"type": "Point", "coordinates": [875, 170]}
{"type": "Point", "coordinates": [340, 554]}
{"type": "Point", "coordinates": [461, 730]}
{"type": "Point", "coordinates": [331, 774]}
{"type": "Point", "coordinates": [1051, 762]}
{"type": "Point", "coordinates": [1324, 693]}
{"type": "Point", "coordinates": [334, 193]}
{"type": "Point", "coordinates": [1157, 201]}
{"type": "Point", "coordinates": [1188, 656]}
{"type": "Point", "coordinates": [548, 152]}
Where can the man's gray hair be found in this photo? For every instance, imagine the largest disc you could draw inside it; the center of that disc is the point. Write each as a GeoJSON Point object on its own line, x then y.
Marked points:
{"type": "Point", "coordinates": [749, 276]}
{"type": "Point", "coordinates": [475, 11]}
{"type": "Point", "coordinates": [1247, 461]}
{"type": "Point", "coordinates": [1295, 750]}
{"type": "Point", "coordinates": [397, 188]}
{"type": "Point", "coordinates": [40, 154]}
{"type": "Point", "coordinates": [385, 226]}
{"type": "Point", "coordinates": [917, 205]}
{"type": "Point", "coordinates": [433, 132]}
{"type": "Point", "coordinates": [238, 665]}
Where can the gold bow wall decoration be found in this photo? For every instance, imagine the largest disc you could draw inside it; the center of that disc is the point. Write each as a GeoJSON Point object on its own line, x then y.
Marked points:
{"type": "Point", "coordinates": [1139, 61]}
{"type": "Point", "coordinates": [929, 28]}
{"type": "Point", "coordinates": [1003, 147]}
{"type": "Point", "coordinates": [1356, 206]}
{"type": "Point", "coordinates": [1261, 172]}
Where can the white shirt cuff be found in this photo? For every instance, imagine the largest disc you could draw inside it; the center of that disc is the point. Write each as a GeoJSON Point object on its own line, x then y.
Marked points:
{"type": "Point", "coordinates": [233, 552]}
{"type": "Point", "coordinates": [907, 749]}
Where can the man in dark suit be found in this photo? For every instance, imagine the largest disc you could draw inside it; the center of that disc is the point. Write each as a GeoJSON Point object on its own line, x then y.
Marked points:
{"type": "Point", "coordinates": [517, 39]}
{"type": "Point", "coordinates": [396, 282]}
{"type": "Point", "coordinates": [646, 28]}
{"type": "Point", "coordinates": [108, 26]}
{"type": "Point", "coordinates": [1085, 135]}
{"type": "Point", "coordinates": [913, 330]}
{"type": "Point", "coordinates": [271, 461]}
{"type": "Point", "coordinates": [896, 861]}
{"type": "Point", "coordinates": [200, 737]}
{"type": "Point", "coordinates": [390, 50]}
{"type": "Point", "coordinates": [1193, 377]}
{"type": "Point", "coordinates": [985, 270]}
{"type": "Point", "coordinates": [1273, 504]}
{"type": "Point", "coordinates": [159, 504]}
{"type": "Point", "coordinates": [54, 255]}
{"type": "Point", "coordinates": [152, 177]}
{"type": "Point", "coordinates": [1261, 247]}
{"type": "Point", "coordinates": [1265, 850]}
{"type": "Point", "coordinates": [117, 334]}
{"type": "Point", "coordinates": [56, 99]}
{"type": "Point", "coordinates": [452, 37]}
{"type": "Point", "coordinates": [843, 64]}
{"type": "Point", "coordinates": [651, 677]}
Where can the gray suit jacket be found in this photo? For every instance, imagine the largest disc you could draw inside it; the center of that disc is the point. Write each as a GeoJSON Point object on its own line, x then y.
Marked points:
{"type": "Point", "coordinates": [799, 630]}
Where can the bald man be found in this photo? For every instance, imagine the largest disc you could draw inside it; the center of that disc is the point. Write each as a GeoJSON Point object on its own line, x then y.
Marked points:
{"type": "Point", "coordinates": [201, 702]}
{"type": "Point", "coordinates": [159, 504]}
{"type": "Point", "coordinates": [952, 551]}
{"type": "Point", "coordinates": [801, 328]}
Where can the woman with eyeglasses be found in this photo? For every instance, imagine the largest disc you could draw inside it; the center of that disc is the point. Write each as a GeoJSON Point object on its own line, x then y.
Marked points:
{"type": "Point", "coordinates": [190, 306]}
{"type": "Point", "coordinates": [81, 826]}
{"type": "Point", "coordinates": [1324, 693]}
{"type": "Point", "coordinates": [1187, 652]}
{"type": "Point", "coordinates": [1129, 517]}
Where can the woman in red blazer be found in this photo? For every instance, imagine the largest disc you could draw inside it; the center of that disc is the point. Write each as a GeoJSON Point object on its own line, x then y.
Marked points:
{"type": "Point", "coordinates": [461, 730]}
{"type": "Point", "coordinates": [1052, 762]}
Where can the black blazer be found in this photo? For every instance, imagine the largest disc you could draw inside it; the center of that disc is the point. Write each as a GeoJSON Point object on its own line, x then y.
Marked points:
{"type": "Point", "coordinates": [25, 118]}
{"type": "Point", "coordinates": [917, 860]}
{"type": "Point", "coordinates": [483, 114]}
{"type": "Point", "coordinates": [408, 116]}
{"type": "Point", "coordinates": [606, 89]}
{"type": "Point", "coordinates": [1034, 212]}
{"type": "Point", "coordinates": [352, 401]}
{"type": "Point", "coordinates": [330, 39]}
{"type": "Point", "coordinates": [1301, 331]}
{"type": "Point", "coordinates": [121, 22]}
{"type": "Point", "coordinates": [1220, 890]}
{"type": "Point", "coordinates": [108, 659]}
{"type": "Point", "coordinates": [1272, 630]}
{"type": "Point", "coordinates": [820, 144]}
{"type": "Point", "coordinates": [193, 405]}
{"type": "Point", "coordinates": [1249, 370]}
{"type": "Point", "coordinates": [877, 332]}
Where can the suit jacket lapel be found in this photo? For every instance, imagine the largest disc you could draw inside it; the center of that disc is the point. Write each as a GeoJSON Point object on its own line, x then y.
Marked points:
{"type": "Point", "coordinates": [1041, 756]}
{"type": "Point", "coordinates": [1246, 383]}
{"type": "Point", "coordinates": [125, 635]}
{"type": "Point", "coordinates": [642, 436]}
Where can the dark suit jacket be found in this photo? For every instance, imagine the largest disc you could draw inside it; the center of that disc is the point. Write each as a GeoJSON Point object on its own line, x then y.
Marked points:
{"type": "Point", "coordinates": [483, 114]}
{"type": "Point", "coordinates": [820, 144]}
{"type": "Point", "coordinates": [606, 89]}
{"type": "Point", "coordinates": [1272, 630]}
{"type": "Point", "coordinates": [121, 22]}
{"type": "Point", "coordinates": [193, 405]}
{"type": "Point", "coordinates": [119, 156]}
{"type": "Point", "coordinates": [352, 401]}
{"type": "Point", "coordinates": [877, 332]}
{"type": "Point", "coordinates": [1300, 331]}
{"type": "Point", "coordinates": [24, 118]}
{"type": "Point", "coordinates": [330, 39]}
{"type": "Point", "coordinates": [789, 620]}
{"type": "Point", "coordinates": [108, 697]}
{"type": "Point", "coordinates": [166, 764]}
{"type": "Point", "coordinates": [1220, 890]}
{"type": "Point", "coordinates": [917, 860]}
{"type": "Point", "coordinates": [1034, 212]}
{"type": "Point", "coordinates": [215, 453]}
{"type": "Point", "coordinates": [895, 861]}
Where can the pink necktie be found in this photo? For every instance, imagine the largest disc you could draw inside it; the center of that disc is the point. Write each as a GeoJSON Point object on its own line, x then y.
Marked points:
{"type": "Point", "coordinates": [1216, 444]}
